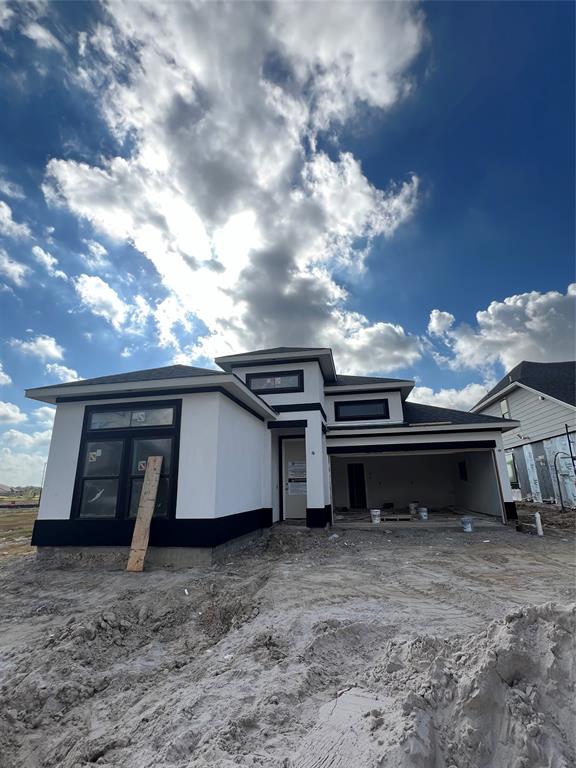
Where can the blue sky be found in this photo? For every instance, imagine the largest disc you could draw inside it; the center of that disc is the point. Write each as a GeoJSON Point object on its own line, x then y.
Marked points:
{"type": "Point", "coordinates": [179, 182]}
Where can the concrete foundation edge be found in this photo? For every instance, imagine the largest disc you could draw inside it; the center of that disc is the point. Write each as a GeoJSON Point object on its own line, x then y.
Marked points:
{"type": "Point", "coordinates": [115, 558]}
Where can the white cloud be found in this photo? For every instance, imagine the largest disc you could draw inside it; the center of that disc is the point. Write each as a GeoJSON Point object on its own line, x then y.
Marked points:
{"type": "Point", "coordinates": [11, 413]}
{"type": "Point", "coordinates": [97, 256]}
{"type": "Point", "coordinates": [529, 326]}
{"type": "Point", "coordinates": [42, 36]}
{"type": "Point", "coordinates": [6, 15]}
{"type": "Point", "coordinates": [101, 299]}
{"type": "Point", "coordinates": [43, 347]}
{"type": "Point", "coordinates": [21, 468]}
{"type": "Point", "coordinates": [249, 225]}
{"type": "Point", "coordinates": [12, 269]}
{"type": "Point", "coordinates": [61, 372]}
{"type": "Point", "coordinates": [460, 399]}
{"type": "Point", "coordinates": [4, 378]}
{"type": "Point", "coordinates": [44, 415]}
{"type": "Point", "coordinates": [14, 438]}
{"type": "Point", "coordinates": [440, 322]}
{"type": "Point", "coordinates": [9, 227]}
{"type": "Point", "coordinates": [49, 262]}
{"type": "Point", "coordinates": [9, 188]}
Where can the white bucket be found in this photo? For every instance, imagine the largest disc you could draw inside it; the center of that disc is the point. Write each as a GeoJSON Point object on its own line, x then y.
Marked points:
{"type": "Point", "coordinates": [375, 515]}
{"type": "Point", "coordinates": [467, 524]}
{"type": "Point", "coordinates": [413, 506]}
{"type": "Point", "coordinates": [423, 513]}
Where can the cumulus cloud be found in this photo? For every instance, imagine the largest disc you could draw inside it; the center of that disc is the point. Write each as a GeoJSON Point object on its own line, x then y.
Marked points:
{"type": "Point", "coordinates": [61, 372]}
{"type": "Point", "coordinates": [14, 270]}
{"type": "Point", "coordinates": [44, 415]}
{"type": "Point", "coordinates": [49, 262]}
{"type": "Point", "coordinates": [14, 438]}
{"type": "Point", "coordinates": [4, 378]}
{"type": "Point", "coordinates": [461, 399]}
{"type": "Point", "coordinates": [102, 300]}
{"type": "Point", "coordinates": [537, 326]}
{"type": "Point", "coordinates": [10, 413]}
{"type": "Point", "coordinates": [21, 468]}
{"type": "Point", "coordinates": [43, 347]}
{"type": "Point", "coordinates": [9, 227]}
{"type": "Point", "coordinates": [250, 226]}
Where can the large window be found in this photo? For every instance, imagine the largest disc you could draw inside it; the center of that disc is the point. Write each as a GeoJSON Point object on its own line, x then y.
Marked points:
{"type": "Point", "coordinates": [268, 383]}
{"type": "Point", "coordinates": [360, 410]}
{"type": "Point", "coordinates": [115, 448]}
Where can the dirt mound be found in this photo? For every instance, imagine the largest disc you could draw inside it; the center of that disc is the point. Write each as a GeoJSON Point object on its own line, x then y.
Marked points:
{"type": "Point", "coordinates": [504, 697]}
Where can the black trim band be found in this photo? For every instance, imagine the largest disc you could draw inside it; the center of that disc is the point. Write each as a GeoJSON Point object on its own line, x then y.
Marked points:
{"type": "Point", "coordinates": [288, 424]}
{"type": "Point", "coordinates": [510, 510]}
{"type": "Point", "coordinates": [292, 407]}
{"type": "Point", "coordinates": [159, 393]}
{"type": "Point", "coordinates": [204, 532]}
{"type": "Point", "coordinates": [404, 447]}
{"type": "Point", "coordinates": [319, 517]}
{"type": "Point", "coordinates": [341, 392]}
{"type": "Point", "coordinates": [408, 431]}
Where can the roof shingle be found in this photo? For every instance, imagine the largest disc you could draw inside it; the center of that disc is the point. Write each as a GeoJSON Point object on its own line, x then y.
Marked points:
{"type": "Point", "coordinates": [557, 380]}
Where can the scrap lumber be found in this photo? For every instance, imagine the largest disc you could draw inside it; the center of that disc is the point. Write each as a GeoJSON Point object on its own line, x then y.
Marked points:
{"type": "Point", "coordinates": [146, 505]}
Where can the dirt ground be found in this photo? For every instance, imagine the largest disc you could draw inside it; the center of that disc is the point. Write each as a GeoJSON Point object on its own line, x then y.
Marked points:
{"type": "Point", "coordinates": [552, 515]}
{"type": "Point", "coordinates": [15, 531]}
{"type": "Point", "coordinates": [429, 649]}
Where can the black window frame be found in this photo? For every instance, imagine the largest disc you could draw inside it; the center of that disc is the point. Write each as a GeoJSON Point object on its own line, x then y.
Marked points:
{"type": "Point", "coordinates": [250, 377]}
{"type": "Point", "coordinates": [126, 434]}
{"type": "Point", "coordinates": [339, 404]}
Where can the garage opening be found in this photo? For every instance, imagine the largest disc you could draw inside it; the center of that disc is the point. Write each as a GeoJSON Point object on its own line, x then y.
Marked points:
{"type": "Point", "coordinates": [462, 481]}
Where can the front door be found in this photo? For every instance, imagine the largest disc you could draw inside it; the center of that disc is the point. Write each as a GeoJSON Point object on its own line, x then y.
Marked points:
{"type": "Point", "coordinates": [294, 478]}
{"type": "Point", "coordinates": [356, 486]}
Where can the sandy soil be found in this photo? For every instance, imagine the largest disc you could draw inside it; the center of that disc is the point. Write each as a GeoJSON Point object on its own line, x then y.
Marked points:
{"type": "Point", "coordinates": [377, 650]}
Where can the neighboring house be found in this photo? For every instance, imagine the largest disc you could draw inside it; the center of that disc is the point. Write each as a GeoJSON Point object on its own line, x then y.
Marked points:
{"type": "Point", "coordinates": [542, 397]}
{"type": "Point", "coordinates": [276, 434]}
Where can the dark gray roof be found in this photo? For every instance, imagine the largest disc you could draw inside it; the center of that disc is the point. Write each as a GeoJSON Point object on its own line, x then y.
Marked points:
{"type": "Point", "coordinates": [418, 413]}
{"type": "Point", "coordinates": [150, 374]}
{"type": "Point", "coordinates": [554, 379]}
{"type": "Point", "coordinates": [344, 380]}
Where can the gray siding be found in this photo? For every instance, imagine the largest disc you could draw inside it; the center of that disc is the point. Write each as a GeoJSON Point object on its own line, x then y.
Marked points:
{"type": "Point", "coordinates": [539, 419]}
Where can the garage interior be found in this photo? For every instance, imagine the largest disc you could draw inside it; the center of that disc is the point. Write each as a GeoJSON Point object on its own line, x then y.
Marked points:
{"type": "Point", "coordinates": [444, 481]}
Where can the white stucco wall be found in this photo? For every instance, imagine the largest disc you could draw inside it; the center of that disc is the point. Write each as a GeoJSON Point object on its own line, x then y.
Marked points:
{"type": "Point", "coordinates": [479, 493]}
{"type": "Point", "coordinates": [58, 489]}
{"type": "Point", "coordinates": [394, 406]}
{"type": "Point", "coordinates": [313, 383]}
{"type": "Point", "coordinates": [243, 465]}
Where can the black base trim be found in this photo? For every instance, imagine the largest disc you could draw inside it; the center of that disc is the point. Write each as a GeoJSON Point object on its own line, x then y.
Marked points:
{"type": "Point", "coordinates": [406, 447]}
{"type": "Point", "coordinates": [288, 424]}
{"type": "Point", "coordinates": [319, 517]}
{"type": "Point", "coordinates": [204, 532]}
{"type": "Point", "coordinates": [511, 511]}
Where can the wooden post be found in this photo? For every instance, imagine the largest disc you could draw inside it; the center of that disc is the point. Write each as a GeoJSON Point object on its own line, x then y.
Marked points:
{"type": "Point", "coordinates": [146, 506]}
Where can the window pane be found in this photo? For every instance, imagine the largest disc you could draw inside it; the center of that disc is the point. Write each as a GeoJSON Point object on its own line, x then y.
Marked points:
{"type": "Point", "coordinates": [152, 417]}
{"type": "Point", "coordinates": [99, 498]}
{"type": "Point", "coordinates": [142, 449]}
{"type": "Point", "coordinates": [375, 410]}
{"type": "Point", "coordinates": [103, 457]}
{"type": "Point", "coordinates": [291, 381]}
{"type": "Point", "coordinates": [109, 419]}
{"type": "Point", "coordinates": [161, 507]}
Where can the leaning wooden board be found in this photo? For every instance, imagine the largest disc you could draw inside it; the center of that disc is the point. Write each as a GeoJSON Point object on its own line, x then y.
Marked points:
{"type": "Point", "coordinates": [141, 534]}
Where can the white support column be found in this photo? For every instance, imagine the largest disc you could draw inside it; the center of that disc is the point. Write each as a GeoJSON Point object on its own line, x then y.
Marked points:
{"type": "Point", "coordinates": [317, 498]}
{"type": "Point", "coordinates": [502, 469]}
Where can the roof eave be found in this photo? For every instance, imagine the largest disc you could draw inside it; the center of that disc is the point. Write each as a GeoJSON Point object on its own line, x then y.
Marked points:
{"type": "Point", "coordinates": [117, 391]}
{"type": "Point", "coordinates": [322, 354]}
